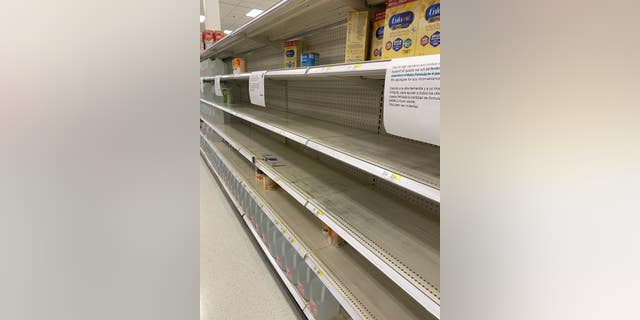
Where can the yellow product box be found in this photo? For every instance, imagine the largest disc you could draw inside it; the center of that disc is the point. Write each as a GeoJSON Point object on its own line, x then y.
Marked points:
{"type": "Point", "coordinates": [400, 28]}
{"type": "Point", "coordinates": [268, 183]}
{"type": "Point", "coordinates": [428, 37]}
{"type": "Point", "coordinates": [292, 51]}
{"type": "Point", "coordinates": [356, 47]}
{"type": "Point", "coordinates": [377, 36]}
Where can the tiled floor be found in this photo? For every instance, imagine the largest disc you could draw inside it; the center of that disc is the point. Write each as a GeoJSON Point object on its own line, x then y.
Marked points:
{"type": "Point", "coordinates": [235, 283]}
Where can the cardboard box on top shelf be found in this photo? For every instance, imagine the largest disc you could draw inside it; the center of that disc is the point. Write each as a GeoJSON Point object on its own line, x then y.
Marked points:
{"type": "Point", "coordinates": [239, 65]}
{"type": "Point", "coordinates": [428, 36]}
{"type": "Point", "coordinates": [357, 44]}
{"type": "Point", "coordinates": [292, 51]}
{"type": "Point", "coordinates": [377, 36]}
{"type": "Point", "coordinates": [209, 38]}
{"type": "Point", "coordinates": [400, 28]}
{"type": "Point", "coordinates": [218, 35]}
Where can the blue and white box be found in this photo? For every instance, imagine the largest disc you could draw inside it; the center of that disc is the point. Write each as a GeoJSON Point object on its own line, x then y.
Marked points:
{"type": "Point", "coordinates": [309, 59]}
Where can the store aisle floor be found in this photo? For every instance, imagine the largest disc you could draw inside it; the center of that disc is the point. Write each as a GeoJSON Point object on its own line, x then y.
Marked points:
{"type": "Point", "coordinates": [235, 282]}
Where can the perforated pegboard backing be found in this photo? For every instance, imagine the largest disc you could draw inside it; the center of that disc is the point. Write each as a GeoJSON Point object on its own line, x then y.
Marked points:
{"type": "Point", "coordinates": [267, 58]}
{"type": "Point", "coordinates": [428, 206]}
{"type": "Point", "coordinates": [351, 103]}
{"type": "Point", "coordinates": [329, 43]}
{"type": "Point", "coordinates": [276, 96]}
{"type": "Point", "coordinates": [425, 205]}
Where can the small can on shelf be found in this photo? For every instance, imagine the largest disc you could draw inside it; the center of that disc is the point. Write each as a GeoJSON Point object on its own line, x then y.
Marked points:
{"type": "Point", "coordinates": [309, 59]}
{"type": "Point", "coordinates": [259, 175]}
{"type": "Point", "coordinates": [226, 96]}
{"type": "Point", "coordinates": [239, 65]}
{"type": "Point", "coordinates": [332, 238]}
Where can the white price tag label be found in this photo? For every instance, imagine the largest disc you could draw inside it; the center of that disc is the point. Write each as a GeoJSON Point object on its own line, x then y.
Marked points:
{"type": "Point", "coordinates": [314, 209]}
{"type": "Point", "coordinates": [311, 207]}
{"type": "Point", "coordinates": [216, 86]}
{"type": "Point", "coordinates": [256, 88]}
{"type": "Point", "coordinates": [412, 98]}
{"type": "Point", "coordinates": [392, 176]}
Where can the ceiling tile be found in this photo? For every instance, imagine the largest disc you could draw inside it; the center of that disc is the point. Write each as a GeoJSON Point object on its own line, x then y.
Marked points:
{"type": "Point", "coordinates": [266, 4]}
{"type": "Point", "coordinates": [260, 4]}
{"type": "Point", "coordinates": [242, 8]}
{"type": "Point", "coordinates": [233, 12]}
{"type": "Point", "coordinates": [225, 9]}
{"type": "Point", "coordinates": [239, 12]}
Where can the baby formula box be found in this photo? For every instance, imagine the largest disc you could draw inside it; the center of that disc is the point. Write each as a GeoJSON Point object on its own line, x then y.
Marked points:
{"type": "Point", "coordinates": [258, 222]}
{"type": "Point", "coordinates": [265, 227]}
{"type": "Point", "coordinates": [377, 36]}
{"type": "Point", "coordinates": [251, 208]}
{"type": "Point", "coordinates": [322, 304]}
{"type": "Point", "coordinates": [291, 261]}
{"type": "Point", "coordinates": [279, 243]}
{"type": "Point", "coordinates": [218, 34]}
{"type": "Point", "coordinates": [239, 65]}
{"type": "Point", "coordinates": [428, 36]}
{"type": "Point", "coordinates": [309, 59]}
{"type": "Point", "coordinates": [305, 276]}
{"type": "Point", "coordinates": [356, 46]}
{"type": "Point", "coordinates": [292, 51]}
{"type": "Point", "coordinates": [257, 214]}
{"type": "Point", "coordinates": [209, 38]}
{"type": "Point", "coordinates": [272, 233]}
{"type": "Point", "coordinates": [268, 183]}
{"type": "Point", "coordinates": [400, 28]}
{"type": "Point", "coordinates": [244, 200]}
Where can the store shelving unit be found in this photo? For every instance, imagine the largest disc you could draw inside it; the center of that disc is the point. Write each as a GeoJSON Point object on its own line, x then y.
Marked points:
{"type": "Point", "coordinates": [286, 19]}
{"type": "Point", "coordinates": [361, 289]}
{"type": "Point", "coordinates": [379, 192]}
{"type": "Point", "coordinates": [396, 160]}
{"type": "Point", "coordinates": [373, 223]}
{"type": "Point", "coordinates": [365, 69]}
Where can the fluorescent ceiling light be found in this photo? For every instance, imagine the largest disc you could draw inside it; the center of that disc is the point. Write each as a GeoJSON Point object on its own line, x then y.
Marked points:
{"type": "Point", "coordinates": [254, 13]}
{"type": "Point", "coordinates": [227, 31]}
{"type": "Point", "coordinates": [202, 18]}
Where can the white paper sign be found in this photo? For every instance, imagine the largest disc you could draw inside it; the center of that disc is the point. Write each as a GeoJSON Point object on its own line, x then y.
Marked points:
{"type": "Point", "coordinates": [216, 86]}
{"type": "Point", "coordinates": [201, 85]}
{"type": "Point", "coordinates": [412, 98]}
{"type": "Point", "coordinates": [256, 88]}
